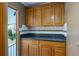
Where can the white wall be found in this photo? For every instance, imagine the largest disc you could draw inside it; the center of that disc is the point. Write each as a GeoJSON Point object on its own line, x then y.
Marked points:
{"type": "Point", "coordinates": [72, 19]}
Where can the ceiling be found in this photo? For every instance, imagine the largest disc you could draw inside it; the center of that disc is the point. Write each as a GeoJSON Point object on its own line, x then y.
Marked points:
{"type": "Point", "coordinates": [30, 4]}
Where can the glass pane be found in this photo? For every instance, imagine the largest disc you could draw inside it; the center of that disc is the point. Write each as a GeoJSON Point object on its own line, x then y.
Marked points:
{"type": "Point", "coordinates": [11, 32]}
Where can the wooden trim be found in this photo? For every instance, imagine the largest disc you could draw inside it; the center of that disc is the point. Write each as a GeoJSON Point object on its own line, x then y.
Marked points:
{"type": "Point", "coordinates": [12, 7]}
{"type": "Point", "coordinates": [3, 29]}
{"type": "Point", "coordinates": [6, 29]}
{"type": "Point", "coordinates": [17, 33]}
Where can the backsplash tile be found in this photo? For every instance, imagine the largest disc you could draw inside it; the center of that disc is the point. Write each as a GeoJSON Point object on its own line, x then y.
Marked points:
{"type": "Point", "coordinates": [64, 28]}
{"type": "Point", "coordinates": [53, 28]}
{"type": "Point", "coordinates": [47, 28]}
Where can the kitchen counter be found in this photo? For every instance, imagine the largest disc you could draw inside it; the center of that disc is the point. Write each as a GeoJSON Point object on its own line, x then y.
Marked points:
{"type": "Point", "coordinates": [44, 32]}
{"type": "Point", "coordinates": [51, 37]}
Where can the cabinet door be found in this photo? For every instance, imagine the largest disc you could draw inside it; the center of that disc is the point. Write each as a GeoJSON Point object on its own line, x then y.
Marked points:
{"type": "Point", "coordinates": [24, 48]}
{"type": "Point", "coordinates": [60, 52]}
{"type": "Point", "coordinates": [33, 50]}
{"type": "Point", "coordinates": [45, 51]}
{"type": "Point", "coordinates": [29, 17]}
{"type": "Point", "coordinates": [37, 16]}
{"type": "Point", "coordinates": [59, 14]}
{"type": "Point", "coordinates": [46, 15]}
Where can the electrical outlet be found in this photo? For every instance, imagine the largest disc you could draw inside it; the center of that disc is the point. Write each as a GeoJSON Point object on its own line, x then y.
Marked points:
{"type": "Point", "coordinates": [77, 44]}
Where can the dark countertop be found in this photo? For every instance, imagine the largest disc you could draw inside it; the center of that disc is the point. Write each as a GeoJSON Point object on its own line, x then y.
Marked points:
{"type": "Point", "coordinates": [51, 37]}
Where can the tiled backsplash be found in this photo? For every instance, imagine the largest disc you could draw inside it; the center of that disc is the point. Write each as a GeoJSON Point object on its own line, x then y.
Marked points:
{"type": "Point", "coordinates": [64, 28]}
{"type": "Point", "coordinates": [51, 28]}
{"type": "Point", "coordinates": [47, 28]}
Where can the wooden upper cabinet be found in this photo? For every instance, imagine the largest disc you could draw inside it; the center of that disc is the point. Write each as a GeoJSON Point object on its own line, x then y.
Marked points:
{"type": "Point", "coordinates": [29, 16]}
{"type": "Point", "coordinates": [51, 14]}
{"type": "Point", "coordinates": [46, 14]}
{"type": "Point", "coordinates": [59, 14]}
{"type": "Point", "coordinates": [37, 16]}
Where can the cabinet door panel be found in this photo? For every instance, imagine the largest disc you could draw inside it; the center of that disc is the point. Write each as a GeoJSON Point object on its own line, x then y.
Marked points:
{"type": "Point", "coordinates": [59, 15]}
{"type": "Point", "coordinates": [51, 21]}
{"type": "Point", "coordinates": [29, 17]}
{"type": "Point", "coordinates": [46, 15]}
{"type": "Point", "coordinates": [45, 51]}
{"type": "Point", "coordinates": [24, 48]}
{"type": "Point", "coordinates": [37, 16]}
{"type": "Point", "coordinates": [33, 50]}
{"type": "Point", "coordinates": [59, 51]}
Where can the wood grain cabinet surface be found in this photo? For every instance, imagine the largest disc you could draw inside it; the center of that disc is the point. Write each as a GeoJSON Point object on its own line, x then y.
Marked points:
{"type": "Point", "coordinates": [24, 47]}
{"type": "Point", "coordinates": [45, 51]}
{"type": "Point", "coordinates": [59, 14]}
{"type": "Point", "coordinates": [29, 17]}
{"type": "Point", "coordinates": [30, 48]}
{"type": "Point", "coordinates": [59, 51]}
{"type": "Point", "coordinates": [3, 25]}
{"type": "Point", "coordinates": [46, 15]}
{"type": "Point", "coordinates": [33, 50]}
{"type": "Point", "coordinates": [51, 14]}
{"type": "Point", "coordinates": [37, 16]}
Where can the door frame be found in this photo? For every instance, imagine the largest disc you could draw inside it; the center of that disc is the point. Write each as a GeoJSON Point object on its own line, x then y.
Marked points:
{"type": "Point", "coordinates": [17, 30]}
